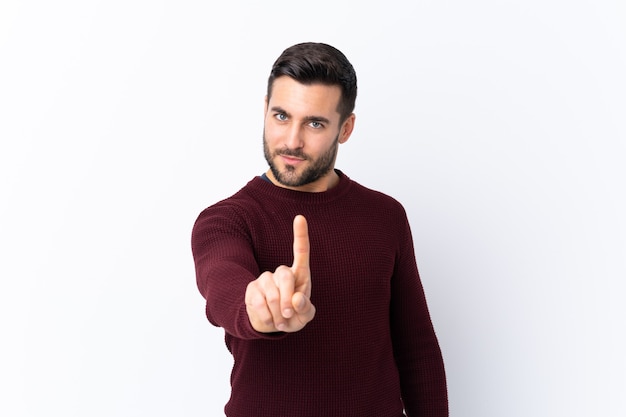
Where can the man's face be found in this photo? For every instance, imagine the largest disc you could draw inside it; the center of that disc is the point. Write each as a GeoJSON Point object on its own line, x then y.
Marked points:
{"type": "Point", "coordinates": [302, 133]}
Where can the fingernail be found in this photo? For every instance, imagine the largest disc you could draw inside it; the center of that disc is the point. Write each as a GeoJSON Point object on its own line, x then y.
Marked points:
{"type": "Point", "coordinates": [287, 313]}
{"type": "Point", "coordinates": [281, 327]}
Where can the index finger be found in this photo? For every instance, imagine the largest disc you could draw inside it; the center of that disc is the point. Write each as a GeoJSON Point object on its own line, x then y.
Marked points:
{"type": "Point", "coordinates": [301, 247]}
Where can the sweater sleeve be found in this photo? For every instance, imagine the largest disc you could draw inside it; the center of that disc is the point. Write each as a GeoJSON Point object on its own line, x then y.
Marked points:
{"type": "Point", "coordinates": [416, 348]}
{"type": "Point", "coordinates": [225, 264]}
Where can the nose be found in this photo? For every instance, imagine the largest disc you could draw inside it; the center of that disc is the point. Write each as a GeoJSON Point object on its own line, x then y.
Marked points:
{"type": "Point", "coordinates": [293, 138]}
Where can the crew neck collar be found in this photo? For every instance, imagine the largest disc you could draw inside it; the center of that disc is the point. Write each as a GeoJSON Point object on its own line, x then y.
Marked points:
{"type": "Point", "coordinates": [263, 185]}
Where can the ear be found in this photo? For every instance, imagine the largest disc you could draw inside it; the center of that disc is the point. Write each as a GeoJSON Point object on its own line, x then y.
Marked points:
{"type": "Point", "coordinates": [347, 128]}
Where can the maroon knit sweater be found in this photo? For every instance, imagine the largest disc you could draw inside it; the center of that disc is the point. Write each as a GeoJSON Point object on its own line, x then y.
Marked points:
{"type": "Point", "coordinates": [370, 351]}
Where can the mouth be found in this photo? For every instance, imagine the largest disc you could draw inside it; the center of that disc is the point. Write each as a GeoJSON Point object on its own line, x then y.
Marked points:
{"type": "Point", "coordinates": [291, 160]}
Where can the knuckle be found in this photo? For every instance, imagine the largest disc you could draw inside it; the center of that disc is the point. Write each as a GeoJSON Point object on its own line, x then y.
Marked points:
{"type": "Point", "coordinates": [272, 297]}
{"type": "Point", "coordinates": [251, 293]}
{"type": "Point", "coordinates": [282, 271]}
{"type": "Point", "coordinates": [256, 302]}
{"type": "Point", "coordinates": [284, 275]}
{"type": "Point", "coordinates": [264, 278]}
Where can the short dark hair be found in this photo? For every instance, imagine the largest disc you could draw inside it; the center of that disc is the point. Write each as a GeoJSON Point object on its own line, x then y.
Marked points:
{"type": "Point", "coordinates": [312, 63]}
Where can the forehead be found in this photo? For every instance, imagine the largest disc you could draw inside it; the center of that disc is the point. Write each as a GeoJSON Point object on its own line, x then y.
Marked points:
{"type": "Point", "coordinates": [305, 99]}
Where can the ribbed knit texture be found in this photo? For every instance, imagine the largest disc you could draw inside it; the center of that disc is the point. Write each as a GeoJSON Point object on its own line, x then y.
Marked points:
{"type": "Point", "coordinates": [371, 349]}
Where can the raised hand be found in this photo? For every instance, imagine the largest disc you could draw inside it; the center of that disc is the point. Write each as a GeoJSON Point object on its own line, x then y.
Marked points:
{"type": "Point", "coordinates": [280, 300]}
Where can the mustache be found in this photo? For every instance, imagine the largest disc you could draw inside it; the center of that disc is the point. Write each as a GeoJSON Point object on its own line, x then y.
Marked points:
{"type": "Point", "coordinates": [297, 153]}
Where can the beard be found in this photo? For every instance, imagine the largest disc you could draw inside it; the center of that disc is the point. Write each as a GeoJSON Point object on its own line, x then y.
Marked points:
{"type": "Point", "coordinates": [316, 169]}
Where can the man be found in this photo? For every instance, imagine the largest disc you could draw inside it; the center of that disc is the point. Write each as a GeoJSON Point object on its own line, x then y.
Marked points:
{"type": "Point", "coordinates": [312, 276]}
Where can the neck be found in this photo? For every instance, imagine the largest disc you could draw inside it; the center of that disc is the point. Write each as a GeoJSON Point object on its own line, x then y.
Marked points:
{"type": "Point", "coordinates": [324, 183]}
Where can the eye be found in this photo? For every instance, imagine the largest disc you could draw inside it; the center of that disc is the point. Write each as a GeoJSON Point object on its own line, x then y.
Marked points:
{"type": "Point", "coordinates": [316, 125]}
{"type": "Point", "coordinates": [281, 117]}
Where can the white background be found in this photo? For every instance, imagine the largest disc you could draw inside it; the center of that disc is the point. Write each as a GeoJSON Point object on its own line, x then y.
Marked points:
{"type": "Point", "coordinates": [501, 126]}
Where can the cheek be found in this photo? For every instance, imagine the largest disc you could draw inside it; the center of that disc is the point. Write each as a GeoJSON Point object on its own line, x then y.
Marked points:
{"type": "Point", "coordinates": [324, 143]}
{"type": "Point", "coordinates": [268, 135]}
{"type": "Point", "coordinates": [271, 132]}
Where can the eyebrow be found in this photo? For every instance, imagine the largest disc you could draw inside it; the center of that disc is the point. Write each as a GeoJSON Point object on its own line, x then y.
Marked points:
{"type": "Point", "coordinates": [322, 119]}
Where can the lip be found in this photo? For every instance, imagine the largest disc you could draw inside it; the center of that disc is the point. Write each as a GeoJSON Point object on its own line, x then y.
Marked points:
{"type": "Point", "coordinates": [291, 160]}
